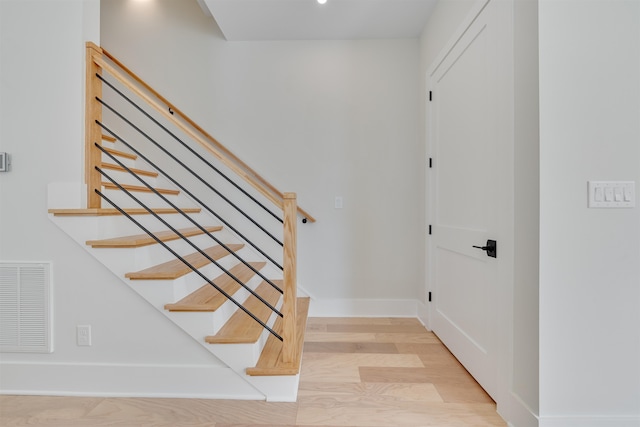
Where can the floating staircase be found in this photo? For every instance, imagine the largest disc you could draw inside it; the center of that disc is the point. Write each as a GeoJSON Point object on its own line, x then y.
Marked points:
{"type": "Point", "coordinates": [181, 294]}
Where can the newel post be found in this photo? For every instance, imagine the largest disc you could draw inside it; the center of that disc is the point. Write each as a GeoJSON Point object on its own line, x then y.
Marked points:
{"type": "Point", "coordinates": [92, 132]}
{"type": "Point", "coordinates": [289, 335]}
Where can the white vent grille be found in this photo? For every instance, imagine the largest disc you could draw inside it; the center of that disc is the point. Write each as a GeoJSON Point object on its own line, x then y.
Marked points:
{"type": "Point", "coordinates": [25, 307]}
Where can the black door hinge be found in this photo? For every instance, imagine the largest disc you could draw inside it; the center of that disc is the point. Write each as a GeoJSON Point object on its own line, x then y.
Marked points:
{"type": "Point", "coordinates": [429, 296]}
{"type": "Point", "coordinates": [429, 229]}
{"type": "Point", "coordinates": [430, 162]}
{"type": "Point", "coordinates": [430, 96]}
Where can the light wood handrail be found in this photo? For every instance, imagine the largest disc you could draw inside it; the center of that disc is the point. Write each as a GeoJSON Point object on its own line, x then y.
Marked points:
{"type": "Point", "coordinates": [208, 141]}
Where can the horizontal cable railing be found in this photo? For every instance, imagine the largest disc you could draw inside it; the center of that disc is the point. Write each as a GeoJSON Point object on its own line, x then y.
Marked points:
{"type": "Point", "coordinates": [187, 263]}
{"type": "Point", "coordinates": [129, 96]}
{"type": "Point", "coordinates": [191, 150]}
{"type": "Point", "coordinates": [185, 189]}
{"type": "Point", "coordinates": [167, 201]}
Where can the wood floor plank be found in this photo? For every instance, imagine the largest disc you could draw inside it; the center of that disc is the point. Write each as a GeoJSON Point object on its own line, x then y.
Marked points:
{"type": "Point", "coordinates": [313, 336]}
{"type": "Point", "coordinates": [375, 374]}
{"type": "Point", "coordinates": [194, 412]}
{"type": "Point", "coordinates": [140, 240]}
{"type": "Point", "coordinates": [416, 392]}
{"type": "Point", "coordinates": [175, 268]}
{"type": "Point", "coordinates": [341, 411]}
{"type": "Point", "coordinates": [320, 367]}
{"type": "Point", "coordinates": [208, 298]}
{"type": "Point", "coordinates": [350, 347]}
{"type": "Point", "coordinates": [373, 328]}
{"type": "Point", "coordinates": [435, 348]}
{"type": "Point", "coordinates": [38, 409]}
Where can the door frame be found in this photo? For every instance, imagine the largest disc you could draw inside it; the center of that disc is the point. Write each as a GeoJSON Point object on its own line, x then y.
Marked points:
{"type": "Point", "coordinates": [506, 234]}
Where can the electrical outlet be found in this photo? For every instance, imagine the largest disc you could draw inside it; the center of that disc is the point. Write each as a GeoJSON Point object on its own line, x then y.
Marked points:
{"type": "Point", "coordinates": [83, 335]}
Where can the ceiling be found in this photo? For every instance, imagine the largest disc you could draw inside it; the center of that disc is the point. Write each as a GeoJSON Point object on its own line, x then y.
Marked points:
{"type": "Point", "coordinates": [245, 20]}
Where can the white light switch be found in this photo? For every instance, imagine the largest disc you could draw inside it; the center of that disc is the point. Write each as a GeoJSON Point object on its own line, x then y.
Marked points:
{"type": "Point", "coordinates": [608, 194]}
{"type": "Point", "coordinates": [598, 194]}
{"type": "Point", "coordinates": [617, 194]}
{"type": "Point", "coordinates": [612, 194]}
{"type": "Point", "coordinates": [338, 202]}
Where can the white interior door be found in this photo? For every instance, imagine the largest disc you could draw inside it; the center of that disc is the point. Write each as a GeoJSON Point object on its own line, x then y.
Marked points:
{"type": "Point", "coordinates": [469, 135]}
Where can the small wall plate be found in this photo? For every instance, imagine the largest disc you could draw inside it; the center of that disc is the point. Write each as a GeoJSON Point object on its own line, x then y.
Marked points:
{"type": "Point", "coordinates": [612, 194]}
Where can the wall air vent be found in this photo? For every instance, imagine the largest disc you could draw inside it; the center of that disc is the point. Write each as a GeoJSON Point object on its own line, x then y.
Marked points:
{"type": "Point", "coordinates": [25, 307]}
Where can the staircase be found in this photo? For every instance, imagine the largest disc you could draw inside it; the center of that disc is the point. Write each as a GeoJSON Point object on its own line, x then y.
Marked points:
{"type": "Point", "coordinates": [203, 275]}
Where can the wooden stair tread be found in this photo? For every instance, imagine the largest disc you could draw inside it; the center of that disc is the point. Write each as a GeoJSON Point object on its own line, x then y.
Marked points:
{"type": "Point", "coordinates": [175, 268]}
{"type": "Point", "coordinates": [107, 211]}
{"type": "Point", "coordinates": [121, 169]}
{"type": "Point", "coordinates": [241, 328]}
{"type": "Point", "coordinates": [140, 240]}
{"type": "Point", "coordinates": [208, 298]}
{"type": "Point", "coordinates": [128, 187]}
{"type": "Point", "coordinates": [270, 362]}
{"type": "Point", "coordinates": [108, 138]}
{"type": "Point", "coordinates": [119, 153]}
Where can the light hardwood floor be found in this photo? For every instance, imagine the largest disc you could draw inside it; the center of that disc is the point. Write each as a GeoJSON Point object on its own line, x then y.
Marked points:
{"type": "Point", "coordinates": [355, 372]}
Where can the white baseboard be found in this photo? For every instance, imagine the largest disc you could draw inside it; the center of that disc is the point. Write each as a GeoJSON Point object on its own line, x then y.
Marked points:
{"type": "Point", "coordinates": [592, 421]}
{"type": "Point", "coordinates": [115, 380]}
{"type": "Point", "coordinates": [339, 307]}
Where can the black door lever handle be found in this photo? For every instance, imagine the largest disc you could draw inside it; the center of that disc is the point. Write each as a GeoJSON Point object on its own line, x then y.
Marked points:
{"type": "Point", "coordinates": [491, 248]}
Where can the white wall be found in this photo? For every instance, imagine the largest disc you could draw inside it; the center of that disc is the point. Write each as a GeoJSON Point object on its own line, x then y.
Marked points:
{"type": "Point", "coordinates": [589, 258]}
{"type": "Point", "coordinates": [321, 118]}
{"type": "Point", "coordinates": [41, 113]}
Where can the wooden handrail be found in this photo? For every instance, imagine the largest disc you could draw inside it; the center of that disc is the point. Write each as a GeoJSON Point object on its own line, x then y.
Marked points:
{"type": "Point", "coordinates": [208, 142]}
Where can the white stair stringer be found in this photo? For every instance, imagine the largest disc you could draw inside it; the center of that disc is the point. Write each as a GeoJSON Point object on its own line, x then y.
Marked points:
{"type": "Point", "coordinates": [198, 325]}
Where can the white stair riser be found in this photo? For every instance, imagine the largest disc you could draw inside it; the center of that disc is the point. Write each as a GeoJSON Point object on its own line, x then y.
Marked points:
{"type": "Point", "coordinates": [86, 228]}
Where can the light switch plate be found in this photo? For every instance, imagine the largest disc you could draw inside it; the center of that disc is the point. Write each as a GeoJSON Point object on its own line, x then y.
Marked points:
{"type": "Point", "coordinates": [612, 194]}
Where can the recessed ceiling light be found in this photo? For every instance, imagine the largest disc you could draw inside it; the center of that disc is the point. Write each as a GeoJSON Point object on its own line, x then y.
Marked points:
{"type": "Point", "coordinates": [322, 1]}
